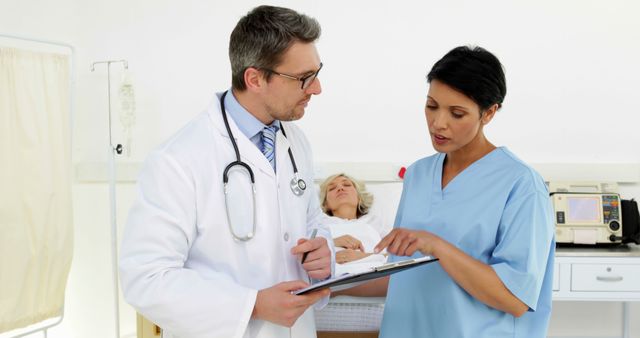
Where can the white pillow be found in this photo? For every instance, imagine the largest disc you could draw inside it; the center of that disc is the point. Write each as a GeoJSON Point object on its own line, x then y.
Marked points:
{"type": "Point", "coordinates": [386, 198]}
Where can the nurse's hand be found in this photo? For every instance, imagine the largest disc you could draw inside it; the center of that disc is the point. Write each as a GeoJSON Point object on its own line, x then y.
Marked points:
{"type": "Point", "coordinates": [405, 242]}
{"type": "Point", "coordinates": [318, 261]}
{"type": "Point", "coordinates": [348, 242]}
{"type": "Point", "coordinates": [277, 305]}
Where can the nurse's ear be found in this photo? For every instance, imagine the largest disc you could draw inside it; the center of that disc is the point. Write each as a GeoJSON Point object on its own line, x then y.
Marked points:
{"type": "Point", "coordinates": [488, 114]}
{"type": "Point", "coordinates": [254, 79]}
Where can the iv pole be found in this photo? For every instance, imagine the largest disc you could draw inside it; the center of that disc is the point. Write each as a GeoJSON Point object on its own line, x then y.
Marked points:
{"type": "Point", "coordinates": [113, 150]}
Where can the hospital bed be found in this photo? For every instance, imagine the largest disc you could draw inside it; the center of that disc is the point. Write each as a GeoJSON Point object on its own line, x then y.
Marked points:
{"type": "Point", "coordinates": [350, 317]}
{"type": "Point", "coordinates": [360, 317]}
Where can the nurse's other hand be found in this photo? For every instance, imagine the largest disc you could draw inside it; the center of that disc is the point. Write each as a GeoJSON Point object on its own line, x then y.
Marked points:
{"type": "Point", "coordinates": [405, 242]}
{"type": "Point", "coordinates": [277, 305]}
{"type": "Point", "coordinates": [349, 255]}
{"type": "Point", "coordinates": [348, 242]}
{"type": "Point", "coordinates": [318, 261]}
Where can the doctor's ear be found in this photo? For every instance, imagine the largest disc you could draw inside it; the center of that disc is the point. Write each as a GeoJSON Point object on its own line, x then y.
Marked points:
{"type": "Point", "coordinates": [254, 79]}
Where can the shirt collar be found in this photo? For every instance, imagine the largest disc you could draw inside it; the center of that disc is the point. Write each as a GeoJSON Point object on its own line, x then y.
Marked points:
{"type": "Point", "coordinates": [247, 123]}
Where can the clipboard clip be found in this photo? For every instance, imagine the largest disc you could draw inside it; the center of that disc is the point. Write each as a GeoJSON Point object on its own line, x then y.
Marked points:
{"type": "Point", "coordinates": [393, 265]}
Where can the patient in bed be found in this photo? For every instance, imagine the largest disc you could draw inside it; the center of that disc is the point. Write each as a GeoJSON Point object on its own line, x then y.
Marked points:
{"type": "Point", "coordinates": [354, 230]}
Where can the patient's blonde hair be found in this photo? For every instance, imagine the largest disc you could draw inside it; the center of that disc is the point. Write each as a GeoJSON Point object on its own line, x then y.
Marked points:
{"type": "Point", "coordinates": [365, 199]}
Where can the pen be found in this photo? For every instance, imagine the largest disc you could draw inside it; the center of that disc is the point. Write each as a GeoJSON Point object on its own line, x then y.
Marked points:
{"type": "Point", "coordinates": [313, 235]}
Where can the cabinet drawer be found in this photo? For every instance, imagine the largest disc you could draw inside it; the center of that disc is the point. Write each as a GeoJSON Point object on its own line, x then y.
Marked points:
{"type": "Point", "coordinates": [605, 277]}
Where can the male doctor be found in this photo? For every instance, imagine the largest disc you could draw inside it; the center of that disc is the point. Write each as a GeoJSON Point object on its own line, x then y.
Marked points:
{"type": "Point", "coordinates": [190, 261]}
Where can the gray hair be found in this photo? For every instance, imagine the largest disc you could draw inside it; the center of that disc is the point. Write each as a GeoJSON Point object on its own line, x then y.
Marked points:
{"type": "Point", "coordinates": [365, 199]}
{"type": "Point", "coordinates": [263, 35]}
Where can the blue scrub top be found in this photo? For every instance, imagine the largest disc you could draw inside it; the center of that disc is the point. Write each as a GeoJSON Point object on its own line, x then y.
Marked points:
{"type": "Point", "coordinates": [497, 211]}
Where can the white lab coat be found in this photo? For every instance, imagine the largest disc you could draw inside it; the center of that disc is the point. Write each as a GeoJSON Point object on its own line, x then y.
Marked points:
{"type": "Point", "coordinates": [180, 266]}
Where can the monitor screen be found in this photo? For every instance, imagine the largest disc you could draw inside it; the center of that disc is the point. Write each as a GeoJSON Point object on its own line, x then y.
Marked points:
{"type": "Point", "coordinates": [584, 209]}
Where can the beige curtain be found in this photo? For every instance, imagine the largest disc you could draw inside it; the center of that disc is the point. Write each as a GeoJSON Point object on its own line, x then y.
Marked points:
{"type": "Point", "coordinates": [36, 238]}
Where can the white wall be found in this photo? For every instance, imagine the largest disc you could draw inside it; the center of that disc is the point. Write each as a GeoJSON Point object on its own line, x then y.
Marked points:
{"type": "Point", "coordinates": [571, 69]}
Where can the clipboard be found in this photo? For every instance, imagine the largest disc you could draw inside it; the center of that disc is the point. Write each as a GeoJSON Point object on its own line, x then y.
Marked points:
{"type": "Point", "coordinates": [373, 273]}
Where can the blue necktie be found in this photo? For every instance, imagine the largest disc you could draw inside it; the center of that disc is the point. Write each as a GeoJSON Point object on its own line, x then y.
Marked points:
{"type": "Point", "coordinates": [268, 144]}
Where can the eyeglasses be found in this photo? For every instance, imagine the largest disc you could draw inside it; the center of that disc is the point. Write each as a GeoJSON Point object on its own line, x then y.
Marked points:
{"type": "Point", "coordinates": [306, 80]}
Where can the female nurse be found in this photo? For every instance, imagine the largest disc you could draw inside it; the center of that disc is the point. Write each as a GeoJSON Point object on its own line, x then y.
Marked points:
{"type": "Point", "coordinates": [480, 210]}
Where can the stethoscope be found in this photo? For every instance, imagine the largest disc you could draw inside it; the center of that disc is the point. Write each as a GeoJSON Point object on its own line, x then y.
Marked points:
{"type": "Point", "coordinates": [297, 185]}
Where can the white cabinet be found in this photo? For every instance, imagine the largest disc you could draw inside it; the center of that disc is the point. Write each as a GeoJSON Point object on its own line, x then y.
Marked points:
{"type": "Point", "coordinates": [556, 277]}
{"type": "Point", "coordinates": [605, 275]}
{"type": "Point", "coordinates": [597, 274]}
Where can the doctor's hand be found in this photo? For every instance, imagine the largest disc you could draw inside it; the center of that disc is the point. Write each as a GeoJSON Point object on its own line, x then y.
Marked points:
{"type": "Point", "coordinates": [318, 261]}
{"type": "Point", "coordinates": [277, 305]}
{"type": "Point", "coordinates": [405, 242]}
{"type": "Point", "coordinates": [348, 242]}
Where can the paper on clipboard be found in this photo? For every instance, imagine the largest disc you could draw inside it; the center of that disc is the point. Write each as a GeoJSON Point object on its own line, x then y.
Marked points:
{"type": "Point", "coordinates": [372, 273]}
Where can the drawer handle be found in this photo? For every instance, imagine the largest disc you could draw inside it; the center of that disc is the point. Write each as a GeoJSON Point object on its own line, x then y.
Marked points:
{"type": "Point", "coordinates": [609, 278]}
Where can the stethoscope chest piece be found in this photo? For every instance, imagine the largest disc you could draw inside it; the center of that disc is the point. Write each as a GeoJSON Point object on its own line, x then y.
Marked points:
{"type": "Point", "coordinates": [298, 185]}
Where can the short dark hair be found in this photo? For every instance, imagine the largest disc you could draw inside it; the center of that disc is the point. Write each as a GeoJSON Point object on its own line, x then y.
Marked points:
{"type": "Point", "coordinates": [263, 35]}
{"type": "Point", "coordinates": [473, 71]}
